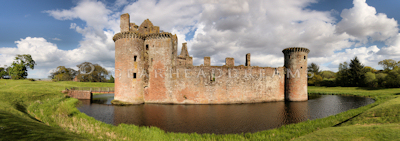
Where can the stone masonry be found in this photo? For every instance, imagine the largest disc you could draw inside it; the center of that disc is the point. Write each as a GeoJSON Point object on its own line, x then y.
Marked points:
{"type": "Point", "coordinates": [80, 94]}
{"type": "Point", "coordinates": [148, 69]}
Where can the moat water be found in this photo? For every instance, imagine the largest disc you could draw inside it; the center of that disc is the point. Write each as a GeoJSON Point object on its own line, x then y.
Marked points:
{"type": "Point", "coordinates": [219, 119]}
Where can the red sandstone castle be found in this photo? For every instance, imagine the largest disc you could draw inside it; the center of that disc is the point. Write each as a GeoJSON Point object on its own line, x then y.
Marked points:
{"type": "Point", "coordinates": [148, 69]}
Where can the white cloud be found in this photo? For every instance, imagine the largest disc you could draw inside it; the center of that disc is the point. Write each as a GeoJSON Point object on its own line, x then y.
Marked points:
{"type": "Point", "coordinates": [233, 29]}
{"type": "Point", "coordinates": [47, 55]}
{"type": "Point", "coordinates": [367, 56]}
{"type": "Point", "coordinates": [363, 22]}
{"type": "Point", "coordinates": [393, 49]}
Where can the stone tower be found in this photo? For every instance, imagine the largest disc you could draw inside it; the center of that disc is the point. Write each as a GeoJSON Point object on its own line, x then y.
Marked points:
{"type": "Point", "coordinates": [129, 62]}
{"type": "Point", "coordinates": [296, 73]}
{"type": "Point", "coordinates": [139, 52]}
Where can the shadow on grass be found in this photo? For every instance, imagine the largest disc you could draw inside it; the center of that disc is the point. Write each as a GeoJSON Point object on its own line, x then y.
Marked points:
{"type": "Point", "coordinates": [14, 127]}
{"type": "Point", "coordinates": [20, 107]}
{"type": "Point", "coordinates": [370, 88]}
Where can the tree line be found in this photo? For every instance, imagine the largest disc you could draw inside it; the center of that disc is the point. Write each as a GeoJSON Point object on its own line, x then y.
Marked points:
{"type": "Point", "coordinates": [355, 74]}
{"type": "Point", "coordinates": [87, 72]}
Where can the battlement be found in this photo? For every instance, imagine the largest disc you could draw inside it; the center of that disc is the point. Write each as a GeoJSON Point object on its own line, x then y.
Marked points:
{"type": "Point", "coordinates": [136, 34]}
{"type": "Point", "coordinates": [146, 30]}
{"type": "Point", "coordinates": [295, 49]}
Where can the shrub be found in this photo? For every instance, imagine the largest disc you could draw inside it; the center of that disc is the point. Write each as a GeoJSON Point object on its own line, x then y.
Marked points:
{"type": "Point", "coordinates": [328, 83]}
{"type": "Point", "coordinates": [31, 79]}
{"type": "Point", "coordinates": [315, 80]}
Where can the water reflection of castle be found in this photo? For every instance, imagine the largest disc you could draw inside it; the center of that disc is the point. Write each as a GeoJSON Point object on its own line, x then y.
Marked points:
{"type": "Point", "coordinates": [218, 119]}
{"type": "Point", "coordinates": [221, 119]}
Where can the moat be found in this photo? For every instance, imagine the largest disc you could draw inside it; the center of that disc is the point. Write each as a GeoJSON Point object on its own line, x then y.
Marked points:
{"type": "Point", "coordinates": [219, 119]}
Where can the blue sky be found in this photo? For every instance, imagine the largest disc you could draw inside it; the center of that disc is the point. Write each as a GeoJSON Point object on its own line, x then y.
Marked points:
{"type": "Point", "coordinates": [70, 32]}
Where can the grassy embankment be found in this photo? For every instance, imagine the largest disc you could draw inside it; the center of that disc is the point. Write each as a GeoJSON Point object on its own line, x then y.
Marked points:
{"type": "Point", "coordinates": [38, 110]}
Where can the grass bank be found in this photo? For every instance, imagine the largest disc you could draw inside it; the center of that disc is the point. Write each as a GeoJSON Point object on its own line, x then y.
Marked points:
{"type": "Point", "coordinates": [26, 105]}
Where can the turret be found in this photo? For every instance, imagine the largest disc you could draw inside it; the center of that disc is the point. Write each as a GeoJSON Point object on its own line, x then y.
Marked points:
{"type": "Point", "coordinates": [296, 73]}
{"type": "Point", "coordinates": [129, 63]}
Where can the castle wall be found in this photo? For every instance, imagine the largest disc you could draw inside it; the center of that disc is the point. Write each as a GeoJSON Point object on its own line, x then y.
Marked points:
{"type": "Point", "coordinates": [161, 53]}
{"type": "Point", "coordinates": [148, 69]}
{"type": "Point", "coordinates": [230, 62]}
{"type": "Point", "coordinates": [189, 61]}
{"type": "Point", "coordinates": [128, 88]}
{"type": "Point", "coordinates": [202, 85]}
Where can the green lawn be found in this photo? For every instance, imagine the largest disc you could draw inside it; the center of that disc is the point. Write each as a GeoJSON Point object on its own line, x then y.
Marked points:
{"type": "Point", "coordinates": [38, 110]}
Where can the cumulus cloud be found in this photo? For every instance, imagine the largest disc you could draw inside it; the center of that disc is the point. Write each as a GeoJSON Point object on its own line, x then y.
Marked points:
{"type": "Point", "coordinates": [262, 28]}
{"type": "Point", "coordinates": [224, 28]}
{"type": "Point", "coordinates": [363, 22]}
{"type": "Point", "coordinates": [48, 56]}
{"type": "Point", "coordinates": [393, 50]}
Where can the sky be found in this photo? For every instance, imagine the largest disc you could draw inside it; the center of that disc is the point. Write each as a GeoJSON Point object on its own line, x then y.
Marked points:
{"type": "Point", "coordinates": [67, 33]}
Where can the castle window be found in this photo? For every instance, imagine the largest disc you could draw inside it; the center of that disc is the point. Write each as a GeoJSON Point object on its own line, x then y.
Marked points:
{"type": "Point", "coordinates": [134, 58]}
{"type": "Point", "coordinates": [134, 75]}
{"type": "Point", "coordinates": [289, 56]}
{"type": "Point", "coordinates": [304, 57]}
{"type": "Point", "coordinates": [145, 27]}
{"type": "Point", "coordinates": [147, 47]}
{"type": "Point", "coordinates": [213, 77]}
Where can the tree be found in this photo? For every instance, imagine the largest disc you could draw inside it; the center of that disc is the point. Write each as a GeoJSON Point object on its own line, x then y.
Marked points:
{"type": "Point", "coordinates": [381, 79]}
{"type": "Point", "coordinates": [314, 68]}
{"type": "Point", "coordinates": [19, 67]}
{"type": "Point", "coordinates": [343, 75]}
{"type": "Point", "coordinates": [3, 72]}
{"type": "Point", "coordinates": [369, 69]}
{"type": "Point", "coordinates": [89, 72]}
{"type": "Point", "coordinates": [389, 64]}
{"type": "Point", "coordinates": [315, 80]}
{"type": "Point", "coordinates": [357, 73]}
{"type": "Point", "coordinates": [111, 80]}
{"type": "Point", "coordinates": [370, 79]}
{"type": "Point", "coordinates": [393, 78]}
{"type": "Point", "coordinates": [327, 74]}
{"type": "Point", "coordinates": [61, 73]}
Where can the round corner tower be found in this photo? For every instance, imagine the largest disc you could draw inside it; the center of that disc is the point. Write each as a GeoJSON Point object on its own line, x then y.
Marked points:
{"type": "Point", "coordinates": [296, 73]}
{"type": "Point", "coordinates": [129, 63]}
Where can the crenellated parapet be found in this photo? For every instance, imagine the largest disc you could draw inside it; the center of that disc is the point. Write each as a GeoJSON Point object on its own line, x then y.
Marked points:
{"type": "Point", "coordinates": [135, 34]}
{"type": "Point", "coordinates": [158, 35]}
{"type": "Point", "coordinates": [295, 49]}
{"type": "Point", "coordinates": [127, 34]}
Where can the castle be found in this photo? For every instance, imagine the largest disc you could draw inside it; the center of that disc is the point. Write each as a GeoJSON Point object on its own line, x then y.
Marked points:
{"type": "Point", "coordinates": [148, 69]}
